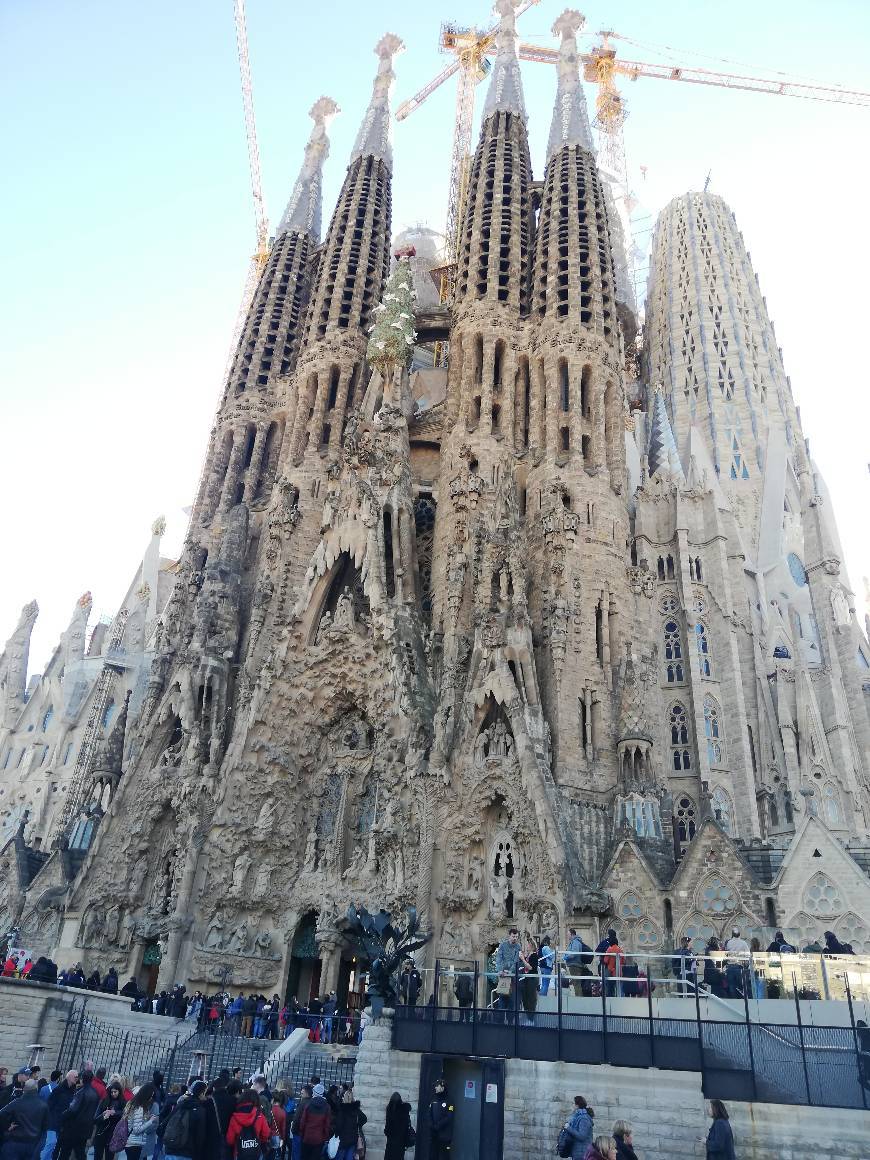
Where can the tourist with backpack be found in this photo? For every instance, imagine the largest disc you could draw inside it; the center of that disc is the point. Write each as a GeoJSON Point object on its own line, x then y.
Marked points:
{"type": "Point", "coordinates": [315, 1124]}
{"type": "Point", "coordinates": [249, 1134]}
{"type": "Point", "coordinates": [576, 1137]}
{"type": "Point", "coordinates": [184, 1134]}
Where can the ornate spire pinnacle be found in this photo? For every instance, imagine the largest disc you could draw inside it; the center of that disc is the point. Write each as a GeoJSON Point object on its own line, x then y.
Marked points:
{"type": "Point", "coordinates": [505, 93]}
{"type": "Point", "coordinates": [303, 212]}
{"type": "Point", "coordinates": [662, 456]}
{"type": "Point", "coordinates": [570, 125]}
{"type": "Point", "coordinates": [373, 138]}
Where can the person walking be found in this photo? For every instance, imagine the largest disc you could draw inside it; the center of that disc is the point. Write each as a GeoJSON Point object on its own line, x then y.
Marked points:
{"type": "Point", "coordinates": [109, 1111]}
{"type": "Point", "coordinates": [23, 1124]}
{"type": "Point", "coordinates": [720, 1140]}
{"type": "Point", "coordinates": [397, 1128]}
{"type": "Point", "coordinates": [77, 1122]}
{"type": "Point", "coordinates": [184, 1137]}
{"type": "Point", "coordinates": [142, 1118]}
{"type": "Point", "coordinates": [441, 1113]}
{"type": "Point", "coordinates": [624, 1145]}
{"type": "Point", "coordinates": [579, 1128]}
{"type": "Point", "coordinates": [546, 961]}
{"type": "Point", "coordinates": [347, 1124]}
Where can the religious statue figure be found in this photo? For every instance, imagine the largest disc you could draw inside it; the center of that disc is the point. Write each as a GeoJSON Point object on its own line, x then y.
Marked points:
{"type": "Point", "coordinates": [499, 888]}
{"type": "Point", "coordinates": [263, 944]}
{"type": "Point", "coordinates": [113, 922]}
{"type": "Point", "coordinates": [500, 741]}
{"type": "Point", "coordinates": [480, 747]}
{"type": "Point", "coordinates": [238, 940]}
{"type": "Point", "coordinates": [262, 882]}
{"type": "Point", "coordinates": [325, 625]}
{"type": "Point", "coordinates": [214, 935]}
{"type": "Point", "coordinates": [840, 607]}
{"type": "Point", "coordinates": [90, 935]}
{"type": "Point", "coordinates": [475, 874]}
{"type": "Point", "coordinates": [345, 618]}
{"type": "Point", "coordinates": [309, 860]}
{"type": "Point", "coordinates": [240, 873]}
{"type": "Point", "coordinates": [265, 820]}
{"type": "Point", "coordinates": [137, 877]}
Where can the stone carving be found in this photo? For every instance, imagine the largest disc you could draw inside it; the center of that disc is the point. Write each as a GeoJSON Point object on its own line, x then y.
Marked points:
{"type": "Point", "coordinates": [840, 608]}
{"type": "Point", "coordinates": [240, 873]}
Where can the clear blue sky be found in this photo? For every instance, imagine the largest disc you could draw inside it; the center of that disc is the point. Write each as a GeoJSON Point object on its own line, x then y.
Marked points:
{"type": "Point", "coordinates": [127, 225]}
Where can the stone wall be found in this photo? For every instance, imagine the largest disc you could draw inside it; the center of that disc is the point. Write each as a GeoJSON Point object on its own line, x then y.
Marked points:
{"type": "Point", "coordinates": [666, 1109]}
{"type": "Point", "coordinates": [37, 1013]}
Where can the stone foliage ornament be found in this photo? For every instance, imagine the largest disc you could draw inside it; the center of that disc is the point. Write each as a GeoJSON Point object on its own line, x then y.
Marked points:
{"type": "Point", "coordinates": [386, 947]}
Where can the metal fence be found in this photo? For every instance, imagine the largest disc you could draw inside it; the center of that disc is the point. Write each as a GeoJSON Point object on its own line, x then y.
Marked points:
{"type": "Point", "coordinates": [741, 1051]}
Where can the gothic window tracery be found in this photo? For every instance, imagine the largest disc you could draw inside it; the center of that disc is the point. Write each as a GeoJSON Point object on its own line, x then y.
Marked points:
{"type": "Point", "coordinates": [629, 906]}
{"type": "Point", "coordinates": [723, 810]}
{"type": "Point", "coordinates": [716, 896]}
{"type": "Point", "coordinates": [698, 928]}
{"type": "Point", "coordinates": [684, 824]}
{"type": "Point", "coordinates": [668, 604]}
{"type": "Point", "coordinates": [822, 897]}
{"type": "Point", "coordinates": [647, 935]}
{"type": "Point", "coordinates": [831, 804]}
{"type": "Point", "coordinates": [713, 732]}
{"type": "Point", "coordinates": [673, 652]}
{"type": "Point", "coordinates": [679, 725]}
{"type": "Point", "coordinates": [702, 640]}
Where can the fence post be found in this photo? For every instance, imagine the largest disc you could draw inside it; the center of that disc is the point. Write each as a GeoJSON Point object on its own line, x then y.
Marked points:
{"type": "Point", "coordinates": [855, 1040]}
{"type": "Point", "coordinates": [557, 974]}
{"type": "Point", "coordinates": [825, 986]}
{"type": "Point", "coordinates": [603, 1016]}
{"type": "Point", "coordinates": [652, 1037]}
{"type": "Point", "coordinates": [797, 1005]}
{"type": "Point", "coordinates": [700, 1028]}
{"type": "Point", "coordinates": [171, 1063]}
{"type": "Point", "coordinates": [516, 1002]}
{"type": "Point", "coordinates": [123, 1053]}
{"type": "Point", "coordinates": [474, 1008]}
{"type": "Point", "coordinates": [60, 1050]}
{"type": "Point", "coordinates": [75, 1048]}
{"type": "Point", "coordinates": [435, 987]}
{"type": "Point", "coordinates": [749, 1037]}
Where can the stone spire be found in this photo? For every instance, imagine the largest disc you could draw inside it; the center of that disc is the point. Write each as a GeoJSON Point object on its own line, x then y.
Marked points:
{"type": "Point", "coordinates": [570, 125]}
{"type": "Point", "coordinates": [304, 209]}
{"type": "Point", "coordinates": [662, 455]}
{"type": "Point", "coordinates": [373, 138]}
{"type": "Point", "coordinates": [505, 93]}
{"type": "Point", "coordinates": [13, 665]}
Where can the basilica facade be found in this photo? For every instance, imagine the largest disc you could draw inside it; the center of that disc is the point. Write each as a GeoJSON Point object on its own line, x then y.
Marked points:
{"type": "Point", "coordinates": [557, 632]}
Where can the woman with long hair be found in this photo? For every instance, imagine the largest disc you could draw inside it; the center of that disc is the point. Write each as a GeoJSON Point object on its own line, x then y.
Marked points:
{"type": "Point", "coordinates": [107, 1115]}
{"type": "Point", "coordinates": [397, 1127]}
{"type": "Point", "coordinates": [720, 1140]}
{"type": "Point", "coordinates": [601, 1148]}
{"type": "Point", "coordinates": [142, 1117]}
{"type": "Point", "coordinates": [529, 982]}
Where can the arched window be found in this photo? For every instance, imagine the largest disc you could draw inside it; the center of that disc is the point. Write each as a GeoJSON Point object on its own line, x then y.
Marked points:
{"type": "Point", "coordinates": [713, 732]}
{"type": "Point", "coordinates": [822, 897]}
{"type": "Point", "coordinates": [684, 824]}
{"type": "Point", "coordinates": [108, 714]}
{"type": "Point", "coordinates": [661, 567]}
{"type": "Point", "coordinates": [46, 717]}
{"type": "Point", "coordinates": [702, 640]}
{"type": "Point", "coordinates": [723, 811]}
{"type": "Point", "coordinates": [679, 723]}
{"type": "Point", "coordinates": [629, 906]}
{"type": "Point", "coordinates": [831, 802]}
{"type": "Point", "coordinates": [673, 652]}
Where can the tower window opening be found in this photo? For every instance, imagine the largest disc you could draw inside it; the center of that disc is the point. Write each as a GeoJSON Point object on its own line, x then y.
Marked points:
{"type": "Point", "coordinates": [565, 438]}
{"type": "Point", "coordinates": [390, 573]}
{"type": "Point", "coordinates": [564, 390]}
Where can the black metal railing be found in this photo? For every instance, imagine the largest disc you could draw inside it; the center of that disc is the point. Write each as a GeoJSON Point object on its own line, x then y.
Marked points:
{"type": "Point", "coordinates": [739, 1057]}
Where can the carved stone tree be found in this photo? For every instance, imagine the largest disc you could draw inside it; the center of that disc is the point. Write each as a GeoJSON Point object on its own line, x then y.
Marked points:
{"type": "Point", "coordinates": [386, 947]}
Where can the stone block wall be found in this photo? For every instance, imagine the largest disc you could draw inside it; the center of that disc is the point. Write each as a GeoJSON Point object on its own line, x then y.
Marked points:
{"type": "Point", "coordinates": [37, 1013]}
{"type": "Point", "coordinates": [379, 1072]}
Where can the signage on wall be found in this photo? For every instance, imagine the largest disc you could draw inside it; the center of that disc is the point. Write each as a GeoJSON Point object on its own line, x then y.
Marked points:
{"type": "Point", "coordinates": [470, 1089]}
{"type": "Point", "coordinates": [492, 1093]}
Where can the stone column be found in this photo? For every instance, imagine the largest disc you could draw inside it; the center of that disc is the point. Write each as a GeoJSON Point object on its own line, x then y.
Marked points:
{"type": "Point", "coordinates": [181, 920]}
{"type": "Point", "coordinates": [256, 462]}
{"type": "Point", "coordinates": [330, 962]}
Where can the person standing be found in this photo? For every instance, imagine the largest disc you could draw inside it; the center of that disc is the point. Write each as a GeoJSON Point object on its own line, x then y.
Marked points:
{"type": "Point", "coordinates": [142, 1119]}
{"type": "Point", "coordinates": [622, 1134]}
{"type": "Point", "coordinates": [546, 960]}
{"type": "Point", "coordinates": [720, 1140]}
{"type": "Point", "coordinates": [611, 967]}
{"type": "Point", "coordinates": [507, 958]}
{"type": "Point", "coordinates": [315, 1124]}
{"type": "Point", "coordinates": [248, 1123]}
{"type": "Point", "coordinates": [23, 1124]}
{"type": "Point", "coordinates": [463, 989]}
{"type": "Point", "coordinates": [686, 966]}
{"type": "Point", "coordinates": [58, 1102]}
{"type": "Point", "coordinates": [77, 1122]}
{"type": "Point", "coordinates": [184, 1136]}
{"type": "Point", "coordinates": [441, 1113]}
{"type": "Point", "coordinates": [579, 1128]}
{"type": "Point", "coordinates": [305, 1097]}
{"type": "Point", "coordinates": [109, 1112]}
{"type": "Point", "coordinates": [737, 949]}
{"type": "Point", "coordinates": [347, 1125]}
{"type": "Point", "coordinates": [602, 1148]}
{"type": "Point", "coordinates": [397, 1127]}
{"type": "Point", "coordinates": [529, 981]}
{"type": "Point", "coordinates": [574, 960]}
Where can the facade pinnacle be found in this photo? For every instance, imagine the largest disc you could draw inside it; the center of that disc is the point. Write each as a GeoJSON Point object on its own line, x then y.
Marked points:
{"type": "Point", "coordinates": [373, 138]}
{"type": "Point", "coordinates": [505, 93]}
{"type": "Point", "coordinates": [570, 125]}
{"type": "Point", "coordinates": [304, 209]}
{"type": "Point", "coordinates": [662, 455]}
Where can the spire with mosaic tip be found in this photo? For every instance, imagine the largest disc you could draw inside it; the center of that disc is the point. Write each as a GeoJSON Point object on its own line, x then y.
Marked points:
{"type": "Point", "coordinates": [374, 137]}
{"type": "Point", "coordinates": [505, 93]}
{"type": "Point", "coordinates": [305, 207]}
{"type": "Point", "coordinates": [662, 456]}
{"type": "Point", "coordinates": [570, 125]}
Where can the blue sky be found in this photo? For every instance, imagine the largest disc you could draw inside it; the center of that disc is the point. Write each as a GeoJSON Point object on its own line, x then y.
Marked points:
{"type": "Point", "coordinates": [127, 224]}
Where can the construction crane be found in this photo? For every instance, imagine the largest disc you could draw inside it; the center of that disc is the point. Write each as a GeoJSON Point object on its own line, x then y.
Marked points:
{"type": "Point", "coordinates": [600, 66]}
{"type": "Point", "coordinates": [261, 253]}
{"type": "Point", "coordinates": [470, 46]}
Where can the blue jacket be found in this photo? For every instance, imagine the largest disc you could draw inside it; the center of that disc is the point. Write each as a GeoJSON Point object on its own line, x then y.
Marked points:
{"type": "Point", "coordinates": [507, 956]}
{"type": "Point", "coordinates": [579, 1128]}
{"type": "Point", "coordinates": [720, 1141]}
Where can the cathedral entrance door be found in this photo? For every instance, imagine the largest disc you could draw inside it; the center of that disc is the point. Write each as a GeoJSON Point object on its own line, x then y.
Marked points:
{"type": "Point", "coordinates": [475, 1089]}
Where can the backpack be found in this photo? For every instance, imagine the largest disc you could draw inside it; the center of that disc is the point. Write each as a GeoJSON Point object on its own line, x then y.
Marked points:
{"type": "Point", "coordinates": [120, 1135]}
{"type": "Point", "coordinates": [176, 1136]}
{"type": "Point", "coordinates": [564, 1143]}
{"type": "Point", "coordinates": [247, 1145]}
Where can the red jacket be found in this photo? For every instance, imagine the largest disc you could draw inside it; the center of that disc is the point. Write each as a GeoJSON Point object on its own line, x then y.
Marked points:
{"type": "Point", "coordinates": [315, 1123]}
{"type": "Point", "coordinates": [280, 1119]}
{"type": "Point", "coordinates": [99, 1087]}
{"type": "Point", "coordinates": [246, 1115]}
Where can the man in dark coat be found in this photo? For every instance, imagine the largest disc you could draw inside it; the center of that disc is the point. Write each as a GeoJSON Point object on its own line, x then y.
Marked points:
{"type": "Point", "coordinates": [110, 983]}
{"type": "Point", "coordinates": [58, 1102]}
{"type": "Point", "coordinates": [441, 1122]}
{"type": "Point", "coordinates": [77, 1121]}
{"type": "Point", "coordinates": [218, 1110]}
{"type": "Point", "coordinates": [190, 1106]}
{"type": "Point", "coordinates": [130, 989]}
{"type": "Point", "coordinates": [23, 1123]}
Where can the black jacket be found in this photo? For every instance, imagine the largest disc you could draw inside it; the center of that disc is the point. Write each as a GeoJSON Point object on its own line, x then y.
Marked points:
{"type": "Point", "coordinates": [396, 1127]}
{"type": "Point", "coordinates": [110, 983]}
{"type": "Point", "coordinates": [218, 1109]}
{"type": "Point", "coordinates": [441, 1117]}
{"type": "Point", "coordinates": [30, 1115]}
{"type": "Point", "coordinates": [347, 1122]}
{"type": "Point", "coordinates": [77, 1121]}
{"type": "Point", "coordinates": [195, 1149]}
{"type": "Point", "coordinates": [624, 1151]}
{"type": "Point", "coordinates": [58, 1102]}
{"type": "Point", "coordinates": [104, 1126]}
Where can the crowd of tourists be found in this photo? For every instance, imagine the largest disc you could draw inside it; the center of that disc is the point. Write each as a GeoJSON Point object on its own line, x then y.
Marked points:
{"type": "Point", "coordinates": [63, 1116]}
